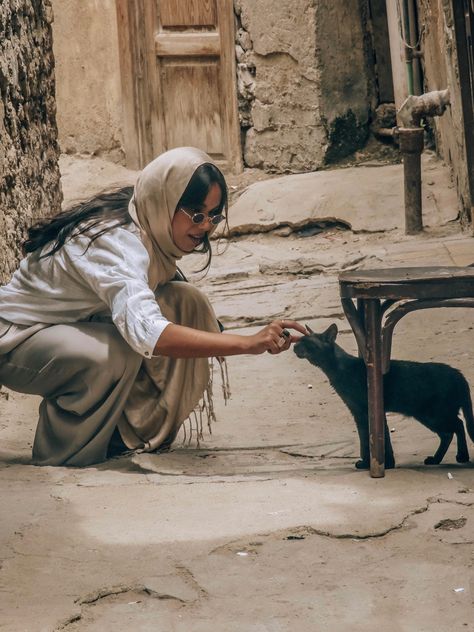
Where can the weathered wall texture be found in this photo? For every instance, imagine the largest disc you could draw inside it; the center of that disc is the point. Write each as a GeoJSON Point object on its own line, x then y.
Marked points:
{"type": "Point", "coordinates": [29, 174]}
{"type": "Point", "coordinates": [88, 88]}
{"type": "Point", "coordinates": [346, 89]}
{"type": "Point", "coordinates": [440, 66]}
{"type": "Point", "coordinates": [303, 82]}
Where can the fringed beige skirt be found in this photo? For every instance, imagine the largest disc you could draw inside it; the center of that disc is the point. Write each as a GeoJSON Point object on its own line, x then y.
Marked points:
{"type": "Point", "coordinates": [92, 382]}
{"type": "Point", "coordinates": [168, 391]}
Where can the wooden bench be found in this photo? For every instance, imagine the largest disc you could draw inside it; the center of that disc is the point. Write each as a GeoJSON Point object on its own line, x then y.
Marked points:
{"type": "Point", "coordinates": [374, 301]}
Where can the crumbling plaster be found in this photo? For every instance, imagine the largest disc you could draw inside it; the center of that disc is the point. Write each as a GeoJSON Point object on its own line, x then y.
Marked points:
{"type": "Point", "coordinates": [29, 174]}
{"type": "Point", "coordinates": [304, 82]}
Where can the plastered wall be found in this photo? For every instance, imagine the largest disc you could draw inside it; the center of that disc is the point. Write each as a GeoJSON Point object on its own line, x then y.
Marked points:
{"type": "Point", "coordinates": [88, 77]}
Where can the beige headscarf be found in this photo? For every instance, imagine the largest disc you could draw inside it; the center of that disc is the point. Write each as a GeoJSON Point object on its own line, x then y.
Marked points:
{"type": "Point", "coordinates": [167, 390]}
{"type": "Point", "coordinates": [157, 193]}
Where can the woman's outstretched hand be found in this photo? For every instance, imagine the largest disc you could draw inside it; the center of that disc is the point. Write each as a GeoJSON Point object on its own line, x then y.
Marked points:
{"type": "Point", "coordinates": [275, 337]}
{"type": "Point", "coordinates": [177, 341]}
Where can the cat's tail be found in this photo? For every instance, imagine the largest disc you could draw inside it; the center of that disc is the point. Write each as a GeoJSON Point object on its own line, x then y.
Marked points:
{"type": "Point", "coordinates": [467, 411]}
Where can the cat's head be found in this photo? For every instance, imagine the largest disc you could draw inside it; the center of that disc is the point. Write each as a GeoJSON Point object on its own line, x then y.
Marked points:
{"type": "Point", "coordinates": [317, 347]}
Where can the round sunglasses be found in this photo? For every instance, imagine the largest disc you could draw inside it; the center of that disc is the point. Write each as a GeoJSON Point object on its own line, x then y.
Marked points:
{"type": "Point", "coordinates": [198, 218]}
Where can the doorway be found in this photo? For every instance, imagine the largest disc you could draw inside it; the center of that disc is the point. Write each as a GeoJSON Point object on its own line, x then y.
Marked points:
{"type": "Point", "coordinates": [178, 79]}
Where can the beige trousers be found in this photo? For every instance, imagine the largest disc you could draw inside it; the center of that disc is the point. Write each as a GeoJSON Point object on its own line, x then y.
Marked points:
{"type": "Point", "coordinates": [92, 381]}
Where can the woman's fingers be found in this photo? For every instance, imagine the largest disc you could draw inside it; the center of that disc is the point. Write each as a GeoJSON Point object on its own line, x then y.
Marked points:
{"type": "Point", "coordinates": [275, 343]}
{"type": "Point", "coordinates": [283, 338]}
{"type": "Point", "coordinates": [292, 324]}
{"type": "Point", "coordinates": [286, 335]}
{"type": "Point", "coordinates": [277, 337]}
{"type": "Point", "coordinates": [280, 338]}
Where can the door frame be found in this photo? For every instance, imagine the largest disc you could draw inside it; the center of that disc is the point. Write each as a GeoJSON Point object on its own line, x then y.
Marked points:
{"type": "Point", "coordinates": [141, 123]}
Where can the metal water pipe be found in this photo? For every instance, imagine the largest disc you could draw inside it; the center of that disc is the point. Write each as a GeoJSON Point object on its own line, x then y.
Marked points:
{"type": "Point", "coordinates": [411, 141]}
{"type": "Point", "coordinates": [408, 47]}
{"type": "Point", "coordinates": [411, 41]}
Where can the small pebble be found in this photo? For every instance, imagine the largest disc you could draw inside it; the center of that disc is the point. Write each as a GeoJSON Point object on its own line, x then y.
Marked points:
{"type": "Point", "coordinates": [310, 386]}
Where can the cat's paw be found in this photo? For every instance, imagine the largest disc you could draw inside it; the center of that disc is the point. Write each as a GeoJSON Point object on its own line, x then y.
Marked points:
{"type": "Point", "coordinates": [365, 465]}
{"type": "Point", "coordinates": [430, 460]}
{"type": "Point", "coordinates": [462, 458]}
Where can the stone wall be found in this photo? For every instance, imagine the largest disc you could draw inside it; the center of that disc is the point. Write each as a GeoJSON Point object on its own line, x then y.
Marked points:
{"type": "Point", "coordinates": [88, 90]}
{"type": "Point", "coordinates": [29, 174]}
{"type": "Point", "coordinates": [304, 82]}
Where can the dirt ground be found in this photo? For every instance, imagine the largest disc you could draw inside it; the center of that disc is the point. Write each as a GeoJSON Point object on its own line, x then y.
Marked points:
{"type": "Point", "coordinates": [266, 526]}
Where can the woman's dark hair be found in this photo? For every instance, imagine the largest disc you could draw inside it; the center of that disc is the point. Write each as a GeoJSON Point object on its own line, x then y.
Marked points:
{"type": "Point", "coordinates": [193, 199]}
{"type": "Point", "coordinates": [109, 209]}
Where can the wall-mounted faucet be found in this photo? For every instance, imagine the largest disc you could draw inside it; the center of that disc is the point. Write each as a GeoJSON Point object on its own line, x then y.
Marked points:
{"type": "Point", "coordinates": [414, 107]}
{"type": "Point", "coordinates": [411, 140]}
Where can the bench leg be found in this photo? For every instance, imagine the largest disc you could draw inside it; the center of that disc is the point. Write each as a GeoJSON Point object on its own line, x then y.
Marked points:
{"type": "Point", "coordinates": [373, 318]}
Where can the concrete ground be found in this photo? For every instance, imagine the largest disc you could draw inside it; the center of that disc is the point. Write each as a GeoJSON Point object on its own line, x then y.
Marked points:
{"type": "Point", "coordinates": [266, 526]}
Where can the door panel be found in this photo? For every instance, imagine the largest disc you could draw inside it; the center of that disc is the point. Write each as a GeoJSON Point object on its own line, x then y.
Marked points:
{"type": "Point", "coordinates": [191, 13]}
{"type": "Point", "coordinates": [191, 105]}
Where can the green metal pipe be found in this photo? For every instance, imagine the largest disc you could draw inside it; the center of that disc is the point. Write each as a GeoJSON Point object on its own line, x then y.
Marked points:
{"type": "Point", "coordinates": [411, 87]}
{"type": "Point", "coordinates": [408, 50]}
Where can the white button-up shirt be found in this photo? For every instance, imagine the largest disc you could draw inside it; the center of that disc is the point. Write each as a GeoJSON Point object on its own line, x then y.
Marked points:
{"type": "Point", "coordinates": [108, 277]}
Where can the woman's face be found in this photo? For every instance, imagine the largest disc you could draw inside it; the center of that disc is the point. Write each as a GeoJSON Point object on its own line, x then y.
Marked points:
{"type": "Point", "coordinates": [186, 234]}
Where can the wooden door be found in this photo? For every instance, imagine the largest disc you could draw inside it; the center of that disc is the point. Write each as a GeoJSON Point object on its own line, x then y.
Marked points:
{"type": "Point", "coordinates": [179, 79]}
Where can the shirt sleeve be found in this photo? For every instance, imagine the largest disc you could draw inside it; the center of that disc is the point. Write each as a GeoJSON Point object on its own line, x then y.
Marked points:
{"type": "Point", "coordinates": [115, 267]}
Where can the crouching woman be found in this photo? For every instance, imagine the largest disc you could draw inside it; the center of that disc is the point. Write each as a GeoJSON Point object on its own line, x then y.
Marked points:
{"type": "Point", "coordinates": [94, 322]}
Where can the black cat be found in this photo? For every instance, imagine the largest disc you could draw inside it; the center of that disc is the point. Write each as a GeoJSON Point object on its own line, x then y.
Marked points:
{"type": "Point", "coordinates": [431, 392]}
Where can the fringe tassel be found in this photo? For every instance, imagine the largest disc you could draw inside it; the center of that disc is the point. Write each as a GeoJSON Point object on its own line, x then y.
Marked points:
{"type": "Point", "coordinates": [206, 406]}
{"type": "Point", "coordinates": [225, 379]}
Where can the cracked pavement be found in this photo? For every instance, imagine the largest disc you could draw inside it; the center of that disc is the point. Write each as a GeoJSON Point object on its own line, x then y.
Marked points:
{"type": "Point", "coordinates": [266, 526]}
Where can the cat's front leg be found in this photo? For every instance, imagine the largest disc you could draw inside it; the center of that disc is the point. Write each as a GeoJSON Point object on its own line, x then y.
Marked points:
{"type": "Point", "coordinates": [362, 423]}
{"type": "Point", "coordinates": [389, 456]}
{"type": "Point", "coordinates": [363, 430]}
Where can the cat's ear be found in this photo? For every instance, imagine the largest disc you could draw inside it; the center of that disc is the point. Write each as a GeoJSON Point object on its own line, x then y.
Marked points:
{"type": "Point", "coordinates": [331, 333]}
